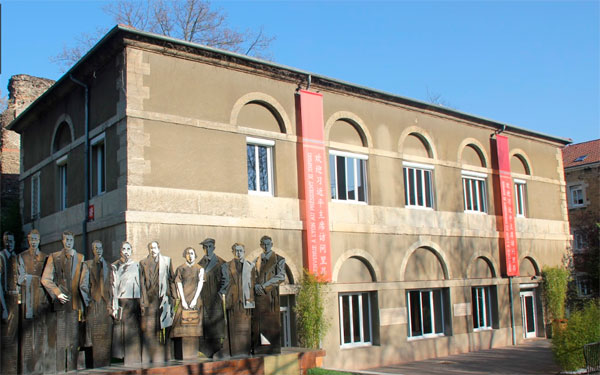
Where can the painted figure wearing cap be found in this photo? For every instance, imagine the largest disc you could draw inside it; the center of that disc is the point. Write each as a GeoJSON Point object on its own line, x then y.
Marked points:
{"type": "Point", "coordinates": [213, 319]}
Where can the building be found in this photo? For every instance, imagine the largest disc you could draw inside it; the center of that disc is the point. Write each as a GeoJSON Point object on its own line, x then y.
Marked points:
{"type": "Point", "coordinates": [180, 142]}
{"type": "Point", "coordinates": [22, 90]}
{"type": "Point", "coordinates": [582, 174]}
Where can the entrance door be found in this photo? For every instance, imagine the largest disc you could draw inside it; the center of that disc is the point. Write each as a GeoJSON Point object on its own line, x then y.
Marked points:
{"type": "Point", "coordinates": [286, 331]}
{"type": "Point", "coordinates": [528, 313]}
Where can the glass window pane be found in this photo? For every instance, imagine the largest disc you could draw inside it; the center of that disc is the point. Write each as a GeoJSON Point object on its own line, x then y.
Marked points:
{"type": "Point", "coordinates": [480, 308]}
{"type": "Point", "coordinates": [426, 306]}
{"type": "Point", "coordinates": [467, 188]}
{"type": "Point", "coordinates": [341, 177]}
{"type": "Point", "coordinates": [356, 318]}
{"type": "Point", "coordinates": [488, 307]}
{"type": "Point", "coordinates": [438, 311]}
{"type": "Point", "coordinates": [346, 319]}
{"type": "Point", "coordinates": [419, 187]}
{"type": "Point", "coordinates": [415, 313]}
{"type": "Point", "coordinates": [332, 176]}
{"type": "Point", "coordinates": [63, 186]}
{"type": "Point", "coordinates": [474, 307]}
{"type": "Point", "coordinates": [251, 157]}
{"type": "Point", "coordinates": [362, 181]}
{"type": "Point", "coordinates": [366, 316]}
{"type": "Point", "coordinates": [406, 191]}
{"type": "Point", "coordinates": [428, 192]}
{"type": "Point", "coordinates": [411, 184]}
{"type": "Point", "coordinates": [263, 168]}
{"type": "Point", "coordinates": [350, 178]}
{"type": "Point", "coordinates": [101, 164]}
{"type": "Point", "coordinates": [482, 204]}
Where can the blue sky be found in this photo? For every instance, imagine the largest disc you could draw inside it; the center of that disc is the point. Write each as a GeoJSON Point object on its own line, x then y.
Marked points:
{"type": "Point", "coordinates": [532, 64]}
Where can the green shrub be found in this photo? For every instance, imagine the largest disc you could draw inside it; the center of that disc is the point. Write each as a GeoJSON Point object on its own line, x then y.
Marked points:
{"type": "Point", "coordinates": [583, 328]}
{"type": "Point", "coordinates": [322, 371]}
{"type": "Point", "coordinates": [310, 309]}
{"type": "Point", "coordinates": [556, 281]}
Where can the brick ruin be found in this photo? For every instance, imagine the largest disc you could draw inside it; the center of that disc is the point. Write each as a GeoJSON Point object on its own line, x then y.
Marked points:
{"type": "Point", "coordinates": [22, 91]}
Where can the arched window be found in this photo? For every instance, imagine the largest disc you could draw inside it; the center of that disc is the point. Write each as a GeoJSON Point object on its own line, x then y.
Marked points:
{"type": "Point", "coordinates": [62, 137]}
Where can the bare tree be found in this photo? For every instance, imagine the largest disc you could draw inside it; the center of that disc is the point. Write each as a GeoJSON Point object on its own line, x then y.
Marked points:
{"type": "Point", "coordinates": [437, 99]}
{"type": "Point", "coordinates": [191, 20]}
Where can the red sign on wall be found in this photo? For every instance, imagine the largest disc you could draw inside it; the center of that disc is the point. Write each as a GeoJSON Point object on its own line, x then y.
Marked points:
{"type": "Point", "coordinates": [313, 177]}
{"type": "Point", "coordinates": [511, 255]}
{"type": "Point", "coordinates": [91, 212]}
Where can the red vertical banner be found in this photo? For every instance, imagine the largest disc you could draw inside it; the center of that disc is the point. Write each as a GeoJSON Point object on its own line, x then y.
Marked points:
{"type": "Point", "coordinates": [313, 179]}
{"type": "Point", "coordinates": [511, 255]}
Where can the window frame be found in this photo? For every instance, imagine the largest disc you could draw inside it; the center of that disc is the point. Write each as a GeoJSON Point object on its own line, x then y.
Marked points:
{"type": "Point", "coordinates": [100, 165]}
{"type": "Point", "coordinates": [573, 188]}
{"type": "Point", "coordinates": [63, 185]}
{"type": "Point", "coordinates": [584, 285]}
{"type": "Point", "coordinates": [432, 314]}
{"type": "Point", "coordinates": [361, 319]}
{"type": "Point", "coordinates": [520, 197]}
{"type": "Point", "coordinates": [333, 175]}
{"type": "Point", "coordinates": [269, 145]}
{"type": "Point", "coordinates": [471, 177]}
{"type": "Point", "coordinates": [424, 169]}
{"type": "Point", "coordinates": [486, 305]}
{"type": "Point", "coordinates": [578, 241]}
{"type": "Point", "coordinates": [36, 195]}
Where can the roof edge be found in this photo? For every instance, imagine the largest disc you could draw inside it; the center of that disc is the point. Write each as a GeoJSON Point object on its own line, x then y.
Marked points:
{"type": "Point", "coordinates": [353, 87]}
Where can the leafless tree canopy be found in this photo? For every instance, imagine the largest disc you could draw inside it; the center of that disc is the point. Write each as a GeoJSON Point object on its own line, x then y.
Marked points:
{"type": "Point", "coordinates": [437, 99]}
{"type": "Point", "coordinates": [191, 20]}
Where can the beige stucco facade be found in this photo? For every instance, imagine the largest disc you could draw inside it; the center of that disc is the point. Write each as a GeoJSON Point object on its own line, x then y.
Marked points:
{"type": "Point", "coordinates": [176, 120]}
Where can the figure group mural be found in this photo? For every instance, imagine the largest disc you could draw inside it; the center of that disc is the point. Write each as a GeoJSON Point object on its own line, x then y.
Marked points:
{"type": "Point", "coordinates": [61, 312]}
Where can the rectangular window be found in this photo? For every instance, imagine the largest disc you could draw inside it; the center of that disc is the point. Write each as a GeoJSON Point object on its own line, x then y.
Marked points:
{"type": "Point", "coordinates": [418, 191]}
{"type": "Point", "coordinates": [259, 154]}
{"type": "Point", "coordinates": [348, 176]}
{"type": "Point", "coordinates": [520, 197]}
{"type": "Point", "coordinates": [482, 307]}
{"type": "Point", "coordinates": [62, 182]}
{"type": "Point", "coordinates": [576, 194]}
{"type": "Point", "coordinates": [35, 196]}
{"type": "Point", "coordinates": [578, 241]}
{"type": "Point", "coordinates": [474, 192]}
{"type": "Point", "coordinates": [583, 285]}
{"type": "Point", "coordinates": [98, 166]}
{"type": "Point", "coordinates": [426, 312]}
{"type": "Point", "coordinates": [355, 319]}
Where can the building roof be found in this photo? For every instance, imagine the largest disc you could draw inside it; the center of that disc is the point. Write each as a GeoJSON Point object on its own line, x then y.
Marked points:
{"type": "Point", "coordinates": [114, 39]}
{"type": "Point", "coordinates": [579, 154]}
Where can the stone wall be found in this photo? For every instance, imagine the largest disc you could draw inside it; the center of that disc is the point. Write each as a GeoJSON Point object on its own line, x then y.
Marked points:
{"type": "Point", "coordinates": [22, 91]}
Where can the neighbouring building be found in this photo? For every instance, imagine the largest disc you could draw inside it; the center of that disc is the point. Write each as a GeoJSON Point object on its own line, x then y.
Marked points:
{"type": "Point", "coordinates": [22, 90]}
{"type": "Point", "coordinates": [582, 175]}
{"type": "Point", "coordinates": [398, 201]}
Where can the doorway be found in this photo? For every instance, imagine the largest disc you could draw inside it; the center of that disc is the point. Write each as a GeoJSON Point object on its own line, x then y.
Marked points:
{"type": "Point", "coordinates": [528, 311]}
{"type": "Point", "coordinates": [288, 321]}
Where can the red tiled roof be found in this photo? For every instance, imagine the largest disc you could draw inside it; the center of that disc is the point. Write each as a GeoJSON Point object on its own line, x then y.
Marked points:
{"type": "Point", "coordinates": [589, 149]}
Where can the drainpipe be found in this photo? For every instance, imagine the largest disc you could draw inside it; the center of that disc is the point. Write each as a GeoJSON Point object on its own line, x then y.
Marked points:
{"type": "Point", "coordinates": [86, 164]}
{"type": "Point", "coordinates": [512, 311]}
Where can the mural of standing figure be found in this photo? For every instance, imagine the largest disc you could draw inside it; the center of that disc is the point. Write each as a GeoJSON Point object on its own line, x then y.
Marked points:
{"type": "Point", "coordinates": [61, 280]}
{"type": "Point", "coordinates": [187, 326]}
{"type": "Point", "coordinates": [35, 309]}
{"type": "Point", "coordinates": [9, 326]}
{"type": "Point", "coordinates": [266, 324]}
{"type": "Point", "coordinates": [156, 279]}
{"type": "Point", "coordinates": [95, 285]}
{"type": "Point", "coordinates": [126, 292]}
{"type": "Point", "coordinates": [213, 319]}
{"type": "Point", "coordinates": [237, 287]}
